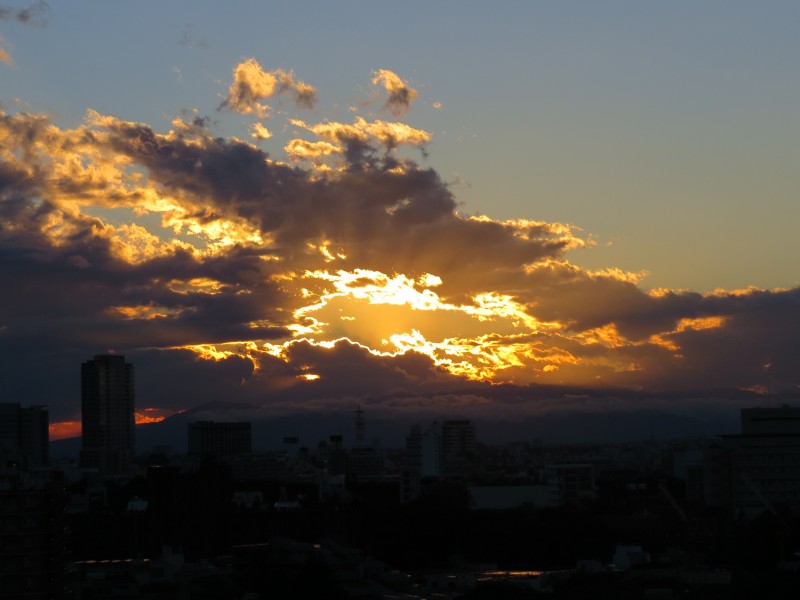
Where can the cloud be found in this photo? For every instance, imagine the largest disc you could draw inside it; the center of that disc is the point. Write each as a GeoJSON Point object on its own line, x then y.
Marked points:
{"type": "Point", "coordinates": [34, 15]}
{"type": "Point", "coordinates": [5, 57]}
{"type": "Point", "coordinates": [259, 132]}
{"type": "Point", "coordinates": [190, 40]}
{"type": "Point", "coordinates": [252, 84]}
{"type": "Point", "coordinates": [401, 95]}
{"type": "Point", "coordinates": [340, 272]}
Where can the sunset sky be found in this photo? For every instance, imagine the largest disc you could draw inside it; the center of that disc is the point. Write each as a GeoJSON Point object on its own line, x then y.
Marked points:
{"type": "Point", "coordinates": [305, 206]}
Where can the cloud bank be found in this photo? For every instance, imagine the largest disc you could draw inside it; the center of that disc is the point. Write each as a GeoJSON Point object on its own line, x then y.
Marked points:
{"type": "Point", "coordinates": [337, 271]}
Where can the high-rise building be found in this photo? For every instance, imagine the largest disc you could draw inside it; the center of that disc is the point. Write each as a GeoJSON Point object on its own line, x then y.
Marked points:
{"type": "Point", "coordinates": [24, 435]}
{"type": "Point", "coordinates": [107, 414]}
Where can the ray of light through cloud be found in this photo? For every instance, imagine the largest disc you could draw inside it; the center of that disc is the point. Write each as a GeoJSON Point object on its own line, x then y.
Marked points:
{"type": "Point", "coordinates": [315, 258]}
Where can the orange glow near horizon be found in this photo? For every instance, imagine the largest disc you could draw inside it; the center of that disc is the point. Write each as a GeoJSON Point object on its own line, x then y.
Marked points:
{"type": "Point", "coordinates": [64, 429]}
{"type": "Point", "coordinates": [60, 430]}
{"type": "Point", "coordinates": [150, 415]}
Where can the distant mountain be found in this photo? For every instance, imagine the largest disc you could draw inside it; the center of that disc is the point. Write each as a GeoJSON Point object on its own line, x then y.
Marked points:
{"type": "Point", "coordinates": [312, 428]}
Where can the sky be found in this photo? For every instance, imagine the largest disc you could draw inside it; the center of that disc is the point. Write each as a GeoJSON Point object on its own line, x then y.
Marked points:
{"type": "Point", "coordinates": [425, 208]}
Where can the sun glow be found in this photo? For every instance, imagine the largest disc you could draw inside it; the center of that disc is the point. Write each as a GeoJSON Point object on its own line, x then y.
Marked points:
{"type": "Point", "coordinates": [391, 315]}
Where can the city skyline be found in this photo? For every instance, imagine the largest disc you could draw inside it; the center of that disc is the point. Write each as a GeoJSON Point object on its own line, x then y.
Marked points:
{"type": "Point", "coordinates": [585, 218]}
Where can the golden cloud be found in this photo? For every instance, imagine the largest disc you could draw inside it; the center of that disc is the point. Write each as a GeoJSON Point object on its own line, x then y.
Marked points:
{"type": "Point", "coordinates": [252, 84]}
{"type": "Point", "coordinates": [401, 95]}
{"type": "Point", "coordinates": [189, 241]}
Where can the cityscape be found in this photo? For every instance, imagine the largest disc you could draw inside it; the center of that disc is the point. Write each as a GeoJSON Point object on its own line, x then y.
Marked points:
{"type": "Point", "coordinates": [423, 300]}
{"type": "Point", "coordinates": [444, 516]}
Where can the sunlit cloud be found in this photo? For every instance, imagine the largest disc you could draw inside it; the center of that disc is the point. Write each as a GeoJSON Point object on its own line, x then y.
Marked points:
{"type": "Point", "coordinates": [5, 57]}
{"type": "Point", "coordinates": [252, 85]}
{"type": "Point", "coordinates": [338, 268]}
{"type": "Point", "coordinates": [259, 132]}
{"type": "Point", "coordinates": [143, 312]}
{"type": "Point", "coordinates": [148, 415]}
{"type": "Point", "coordinates": [401, 95]}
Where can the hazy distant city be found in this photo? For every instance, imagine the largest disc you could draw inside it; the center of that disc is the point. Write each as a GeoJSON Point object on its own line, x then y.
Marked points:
{"type": "Point", "coordinates": [442, 516]}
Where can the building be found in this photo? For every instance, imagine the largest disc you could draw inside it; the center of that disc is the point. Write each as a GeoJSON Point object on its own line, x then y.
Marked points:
{"type": "Point", "coordinates": [458, 447]}
{"type": "Point", "coordinates": [448, 449]}
{"type": "Point", "coordinates": [33, 535]}
{"type": "Point", "coordinates": [220, 440]}
{"type": "Point", "coordinates": [575, 481]}
{"type": "Point", "coordinates": [424, 450]}
{"type": "Point", "coordinates": [107, 414]}
{"type": "Point", "coordinates": [758, 470]}
{"type": "Point", "coordinates": [364, 463]}
{"type": "Point", "coordinates": [503, 497]}
{"type": "Point", "coordinates": [24, 436]}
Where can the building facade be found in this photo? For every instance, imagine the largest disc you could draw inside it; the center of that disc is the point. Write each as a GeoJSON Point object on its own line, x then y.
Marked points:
{"type": "Point", "coordinates": [107, 414]}
{"type": "Point", "coordinates": [33, 535]}
{"type": "Point", "coordinates": [220, 440]}
{"type": "Point", "coordinates": [758, 470]}
{"type": "Point", "coordinates": [24, 436]}
{"type": "Point", "coordinates": [458, 447]}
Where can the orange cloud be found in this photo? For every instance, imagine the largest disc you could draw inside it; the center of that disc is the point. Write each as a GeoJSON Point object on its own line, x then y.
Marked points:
{"type": "Point", "coordinates": [278, 270]}
{"type": "Point", "coordinates": [252, 84]}
{"type": "Point", "coordinates": [152, 415]}
{"type": "Point", "coordinates": [401, 95]}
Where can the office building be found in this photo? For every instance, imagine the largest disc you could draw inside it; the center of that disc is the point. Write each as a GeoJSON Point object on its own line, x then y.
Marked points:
{"type": "Point", "coordinates": [758, 470]}
{"type": "Point", "coordinates": [107, 414]}
{"type": "Point", "coordinates": [24, 436]}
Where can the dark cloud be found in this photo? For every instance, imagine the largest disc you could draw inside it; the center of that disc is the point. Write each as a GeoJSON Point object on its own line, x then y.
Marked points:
{"type": "Point", "coordinates": [33, 15]}
{"type": "Point", "coordinates": [260, 266]}
{"type": "Point", "coordinates": [190, 39]}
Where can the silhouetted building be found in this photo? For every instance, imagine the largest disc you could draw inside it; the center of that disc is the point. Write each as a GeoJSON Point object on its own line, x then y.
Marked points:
{"type": "Point", "coordinates": [424, 450]}
{"type": "Point", "coordinates": [446, 449]}
{"type": "Point", "coordinates": [220, 440]}
{"type": "Point", "coordinates": [365, 462]}
{"type": "Point", "coordinates": [458, 447]}
{"type": "Point", "coordinates": [24, 436]}
{"type": "Point", "coordinates": [32, 535]}
{"type": "Point", "coordinates": [781, 420]}
{"type": "Point", "coordinates": [759, 469]}
{"type": "Point", "coordinates": [107, 414]}
{"type": "Point", "coordinates": [575, 481]}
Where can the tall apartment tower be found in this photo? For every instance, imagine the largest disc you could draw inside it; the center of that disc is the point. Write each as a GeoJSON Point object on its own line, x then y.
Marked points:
{"type": "Point", "coordinates": [107, 414]}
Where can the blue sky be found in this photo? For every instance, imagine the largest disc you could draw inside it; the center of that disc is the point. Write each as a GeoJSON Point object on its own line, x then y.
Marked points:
{"type": "Point", "coordinates": [666, 131]}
